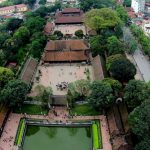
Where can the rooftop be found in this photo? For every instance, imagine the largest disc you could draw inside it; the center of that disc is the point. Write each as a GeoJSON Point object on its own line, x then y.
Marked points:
{"type": "Point", "coordinates": [73, 45]}
{"type": "Point", "coordinates": [65, 56]}
{"type": "Point", "coordinates": [12, 7]}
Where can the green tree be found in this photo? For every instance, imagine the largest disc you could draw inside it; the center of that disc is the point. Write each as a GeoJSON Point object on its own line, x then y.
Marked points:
{"type": "Point", "coordinates": [14, 92]}
{"type": "Point", "coordinates": [115, 85]}
{"type": "Point", "coordinates": [59, 34]}
{"type": "Point", "coordinates": [21, 36]}
{"type": "Point", "coordinates": [122, 13]}
{"type": "Point", "coordinates": [127, 3]}
{"type": "Point", "coordinates": [112, 58]}
{"type": "Point", "coordinates": [122, 70]}
{"type": "Point", "coordinates": [78, 90]}
{"type": "Point", "coordinates": [114, 46]}
{"type": "Point", "coordinates": [13, 23]}
{"type": "Point", "coordinates": [98, 45]}
{"type": "Point", "coordinates": [35, 24]}
{"type": "Point", "coordinates": [79, 33]}
{"type": "Point", "coordinates": [135, 93]}
{"type": "Point", "coordinates": [143, 145]}
{"type": "Point", "coordinates": [5, 76]}
{"type": "Point", "coordinates": [43, 94]}
{"type": "Point", "coordinates": [98, 19]}
{"type": "Point", "coordinates": [2, 58]}
{"type": "Point", "coordinates": [42, 2]}
{"type": "Point", "coordinates": [86, 5]}
{"type": "Point", "coordinates": [101, 95]}
{"type": "Point", "coordinates": [139, 120]}
{"type": "Point", "coordinates": [129, 40]}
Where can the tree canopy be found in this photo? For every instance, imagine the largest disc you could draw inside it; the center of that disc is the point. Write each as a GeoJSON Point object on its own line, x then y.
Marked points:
{"type": "Point", "coordinates": [114, 46]}
{"type": "Point", "coordinates": [14, 92]}
{"type": "Point", "coordinates": [98, 19]}
{"type": "Point", "coordinates": [122, 70]}
{"type": "Point", "coordinates": [135, 93]}
{"type": "Point", "coordinates": [101, 95]}
{"type": "Point", "coordinates": [86, 5]}
{"type": "Point", "coordinates": [5, 76]}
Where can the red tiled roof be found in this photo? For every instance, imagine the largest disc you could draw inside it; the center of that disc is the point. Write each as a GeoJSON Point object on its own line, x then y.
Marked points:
{"type": "Point", "coordinates": [69, 19]}
{"type": "Point", "coordinates": [74, 45]}
{"type": "Point", "coordinates": [71, 10]}
{"type": "Point", "coordinates": [12, 7]}
{"type": "Point", "coordinates": [65, 56]}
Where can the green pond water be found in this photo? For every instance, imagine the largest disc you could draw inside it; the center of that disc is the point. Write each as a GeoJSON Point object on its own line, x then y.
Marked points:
{"type": "Point", "coordinates": [57, 138]}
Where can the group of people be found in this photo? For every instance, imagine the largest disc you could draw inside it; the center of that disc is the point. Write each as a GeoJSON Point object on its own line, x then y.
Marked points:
{"type": "Point", "coordinates": [62, 86]}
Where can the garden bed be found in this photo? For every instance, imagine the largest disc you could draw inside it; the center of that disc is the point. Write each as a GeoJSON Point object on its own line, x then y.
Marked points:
{"type": "Point", "coordinates": [31, 109]}
{"type": "Point", "coordinates": [84, 109]}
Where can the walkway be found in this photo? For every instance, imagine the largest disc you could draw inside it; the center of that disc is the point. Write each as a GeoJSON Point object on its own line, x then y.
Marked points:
{"type": "Point", "coordinates": [8, 136]}
{"type": "Point", "coordinates": [141, 61]}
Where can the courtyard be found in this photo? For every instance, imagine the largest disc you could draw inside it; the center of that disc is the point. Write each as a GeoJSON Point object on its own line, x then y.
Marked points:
{"type": "Point", "coordinates": [57, 74]}
{"type": "Point", "coordinates": [8, 137]}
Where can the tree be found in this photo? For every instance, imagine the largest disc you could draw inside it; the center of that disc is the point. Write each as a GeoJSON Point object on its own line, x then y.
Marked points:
{"type": "Point", "coordinates": [43, 94]}
{"type": "Point", "coordinates": [127, 3]}
{"type": "Point", "coordinates": [143, 145]}
{"type": "Point", "coordinates": [101, 95]}
{"type": "Point", "coordinates": [98, 19]}
{"type": "Point", "coordinates": [114, 46]}
{"type": "Point", "coordinates": [115, 85]}
{"type": "Point", "coordinates": [135, 93]}
{"type": "Point", "coordinates": [5, 76]}
{"type": "Point", "coordinates": [111, 59]}
{"type": "Point", "coordinates": [59, 34]}
{"type": "Point", "coordinates": [35, 24]}
{"type": "Point", "coordinates": [97, 44]}
{"type": "Point", "coordinates": [139, 120]}
{"type": "Point", "coordinates": [21, 36]}
{"type": "Point", "coordinates": [122, 13]}
{"type": "Point", "coordinates": [79, 33]}
{"type": "Point", "coordinates": [122, 70]}
{"type": "Point", "coordinates": [130, 42]}
{"type": "Point", "coordinates": [42, 2]}
{"type": "Point", "coordinates": [13, 23]}
{"type": "Point", "coordinates": [14, 92]}
{"type": "Point", "coordinates": [86, 5]}
{"type": "Point", "coordinates": [36, 49]}
{"type": "Point", "coordinates": [2, 58]}
{"type": "Point", "coordinates": [78, 90]}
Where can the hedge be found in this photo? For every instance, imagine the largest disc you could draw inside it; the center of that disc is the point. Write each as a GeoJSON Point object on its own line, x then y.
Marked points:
{"type": "Point", "coordinates": [96, 144]}
{"type": "Point", "coordinates": [20, 131]}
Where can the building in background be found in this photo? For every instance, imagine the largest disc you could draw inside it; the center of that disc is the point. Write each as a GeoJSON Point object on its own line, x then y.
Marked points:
{"type": "Point", "coordinates": [13, 9]}
{"type": "Point", "coordinates": [138, 5]}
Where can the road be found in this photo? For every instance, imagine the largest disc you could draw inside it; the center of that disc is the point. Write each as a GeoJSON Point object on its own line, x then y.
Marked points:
{"type": "Point", "coordinates": [36, 5]}
{"type": "Point", "coordinates": [141, 61]}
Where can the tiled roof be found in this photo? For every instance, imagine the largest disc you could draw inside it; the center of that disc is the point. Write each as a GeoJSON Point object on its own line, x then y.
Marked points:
{"type": "Point", "coordinates": [65, 56]}
{"type": "Point", "coordinates": [71, 10]}
{"type": "Point", "coordinates": [29, 70]}
{"type": "Point", "coordinates": [12, 7]}
{"type": "Point", "coordinates": [69, 19]}
{"type": "Point", "coordinates": [73, 45]}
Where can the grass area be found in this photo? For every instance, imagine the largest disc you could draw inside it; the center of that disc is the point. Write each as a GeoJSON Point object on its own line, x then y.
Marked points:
{"type": "Point", "coordinates": [20, 131]}
{"type": "Point", "coordinates": [84, 109]}
{"type": "Point", "coordinates": [97, 137]}
{"type": "Point", "coordinates": [31, 109]}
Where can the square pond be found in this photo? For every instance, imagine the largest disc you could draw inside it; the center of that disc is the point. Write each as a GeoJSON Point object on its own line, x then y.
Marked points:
{"type": "Point", "coordinates": [57, 138]}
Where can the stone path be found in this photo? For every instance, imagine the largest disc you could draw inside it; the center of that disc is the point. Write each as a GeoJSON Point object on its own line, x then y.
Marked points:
{"type": "Point", "coordinates": [8, 136]}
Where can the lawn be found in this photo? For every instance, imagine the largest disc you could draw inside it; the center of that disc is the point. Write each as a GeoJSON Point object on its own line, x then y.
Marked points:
{"type": "Point", "coordinates": [31, 109]}
{"type": "Point", "coordinates": [84, 109]}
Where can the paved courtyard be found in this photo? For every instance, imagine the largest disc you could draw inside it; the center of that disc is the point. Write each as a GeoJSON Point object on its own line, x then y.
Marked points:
{"type": "Point", "coordinates": [8, 136]}
{"type": "Point", "coordinates": [70, 29]}
{"type": "Point", "coordinates": [56, 74]}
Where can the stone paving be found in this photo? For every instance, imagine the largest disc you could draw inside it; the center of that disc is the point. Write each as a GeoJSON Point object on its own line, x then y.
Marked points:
{"type": "Point", "coordinates": [8, 136]}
